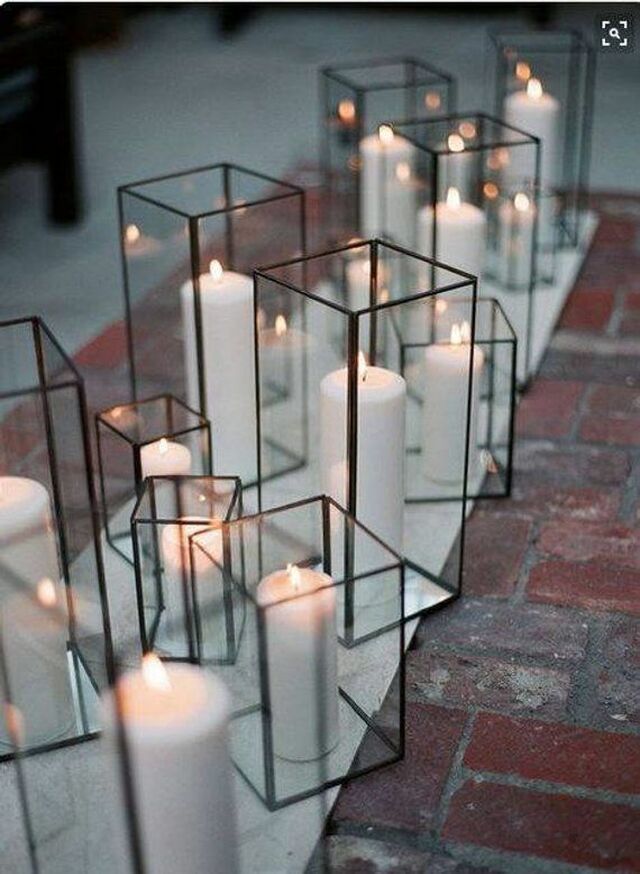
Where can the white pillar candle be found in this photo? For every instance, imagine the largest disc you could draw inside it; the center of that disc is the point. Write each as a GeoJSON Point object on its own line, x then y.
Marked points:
{"type": "Point", "coordinates": [165, 458]}
{"type": "Point", "coordinates": [460, 234]}
{"type": "Point", "coordinates": [302, 659]}
{"type": "Point", "coordinates": [457, 167]}
{"type": "Point", "coordinates": [515, 241]}
{"type": "Point", "coordinates": [34, 630]}
{"type": "Point", "coordinates": [445, 407]}
{"type": "Point", "coordinates": [381, 401]}
{"type": "Point", "coordinates": [535, 112]}
{"type": "Point", "coordinates": [176, 725]}
{"type": "Point", "coordinates": [387, 190]}
{"type": "Point", "coordinates": [226, 304]}
{"type": "Point", "coordinates": [178, 567]}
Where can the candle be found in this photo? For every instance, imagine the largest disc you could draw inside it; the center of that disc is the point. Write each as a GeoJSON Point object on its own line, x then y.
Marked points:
{"type": "Point", "coordinates": [176, 725]}
{"type": "Point", "coordinates": [445, 406]}
{"type": "Point", "coordinates": [226, 306]}
{"type": "Point", "coordinates": [460, 234]}
{"type": "Point", "coordinates": [515, 241]}
{"type": "Point", "coordinates": [381, 405]}
{"type": "Point", "coordinates": [387, 191]}
{"type": "Point", "coordinates": [537, 113]}
{"type": "Point", "coordinates": [165, 458]}
{"type": "Point", "coordinates": [302, 658]}
{"type": "Point", "coordinates": [458, 163]}
{"type": "Point", "coordinates": [34, 632]}
{"type": "Point", "coordinates": [178, 568]}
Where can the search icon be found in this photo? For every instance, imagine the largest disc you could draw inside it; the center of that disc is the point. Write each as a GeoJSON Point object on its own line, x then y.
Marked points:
{"type": "Point", "coordinates": [614, 33]}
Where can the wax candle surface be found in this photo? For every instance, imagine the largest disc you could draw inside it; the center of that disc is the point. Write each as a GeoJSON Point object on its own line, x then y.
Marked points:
{"type": "Point", "coordinates": [176, 723]}
{"type": "Point", "coordinates": [381, 450]}
{"type": "Point", "coordinates": [387, 191]}
{"type": "Point", "coordinates": [445, 407]}
{"type": "Point", "coordinates": [460, 234]}
{"type": "Point", "coordinates": [302, 658]}
{"type": "Point", "coordinates": [32, 613]}
{"type": "Point", "coordinates": [537, 113]}
{"type": "Point", "coordinates": [165, 458]}
{"type": "Point", "coordinates": [226, 303]}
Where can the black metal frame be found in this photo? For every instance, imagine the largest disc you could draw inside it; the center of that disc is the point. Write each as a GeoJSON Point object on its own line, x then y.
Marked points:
{"type": "Point", "coordinates": [44, 389]}
{"type": "Point", "coordinates": [580, 73]}
{"type": "Point", "coordinates": [102, 421]}
{"type": "Point", "coordinates": [416, 73]}
{"type": "Point", "coordinates": [193, 221]}
{"type": "Point", "coordinates": [466, 280]}
{"type": "Point", "coordinates": [153, 521]}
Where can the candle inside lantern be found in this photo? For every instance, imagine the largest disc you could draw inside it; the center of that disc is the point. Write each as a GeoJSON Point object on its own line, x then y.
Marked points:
{"type": "Point", "coordinates": [302, 659]}
{"type": "Point", "coordinates": [34, 628]}
{"type": "Point", "coordinates": [387, 191]}
{"type": "Point", "coordinates": [165, 458]}
{"type": "Point", "coordinates": [515, 241]}
{"type": "Point", "coordinates": [460, 234]}
{"type": "Point", "coordinates": [445, 406]}
{"type": "Point", "coordinates": [176, 726]}
{"type": "Point", "coordinates": [381, 411]}
{"type": "Point", "coordinates": [226, 314]}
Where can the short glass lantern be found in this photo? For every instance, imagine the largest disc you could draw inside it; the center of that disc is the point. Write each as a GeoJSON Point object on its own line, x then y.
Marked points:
{"type": "Point", "coordinates": [151, 437]}
{"type": "Point", "coordinates": [477, 193]}
{"type": "Point", "coordinates": [543, 82]}
{"type": "Point", "coordinates": [187, 610]}
{"type": "Point", "coordinates": [50, 552]}
{"type": "Point", "coordinates": [309, 712]}
{"type": "Point", "coordinates": [345, 428]}
{"type": "Point", "coordinates": [189, 243]}
{"type": "Point", "coordinates": [356, 100]}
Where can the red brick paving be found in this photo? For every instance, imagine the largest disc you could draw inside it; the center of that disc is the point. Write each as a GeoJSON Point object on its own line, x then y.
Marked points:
{"type": "Point", "coordinates": [548, 409]}
{"type": "Point", "coordinates": [595, 585]}
{"type": "Point", "coordinates": [588, 310]}
{"type": "Point", "coordinates": [497, 549]}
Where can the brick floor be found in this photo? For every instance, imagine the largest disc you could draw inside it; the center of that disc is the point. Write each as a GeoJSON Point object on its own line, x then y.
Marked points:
{"type": "Point", "coordinates": [537, 666]}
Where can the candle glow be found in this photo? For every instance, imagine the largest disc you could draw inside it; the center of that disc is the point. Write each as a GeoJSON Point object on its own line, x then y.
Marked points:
{"type": "Point", "coordinates": [132, 233]}
{"type": "Point", "coordinates": [534, 89]}
{"type": "Point", "coordinates": [432, 100]}
{"type": "Point", "coordinates": [453, 198]}
{"type": "Point", "coordinates": [46, 592]}
{"type": "Point", "coordinates": [403, 171]}
{"type": "Point", "coordinates": [386, 134]}
{"type": "Point", "coordinates": [523, 70]}
{"type": "Point", "coordinates": [216, 271]}
{"type": "Point", "coordinates": [521, 202]}
{"type": "Point", "coordinates": [346, 110]}
{"type": "Point", "coordinates": [362, 366]}
{"type": "Point", "coordinates": [155, 674]}
{"type": "Point", "coordinates": [280, 326]}
{"type": "Point", "coordinates": [455, 143]}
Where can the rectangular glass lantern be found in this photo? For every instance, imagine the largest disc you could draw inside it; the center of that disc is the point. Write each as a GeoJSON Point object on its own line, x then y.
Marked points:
{"type": "Point", "coordinates": [478, 206]}
{"type": "Point", "coordinates": [309, 711]}
{"type": "Point", "coordinates": [187, 609]}
{"type": "Point", "coordinates": [494, 399]}
{"type": "Point", "coordinates": [151, 437]}
{"type": "Point", "coordinates": [348, 428]}
{"type": "Point", "coordinates": [543, 83]}
{"type": "Point", "coordinates": [189, 244]}
{"type": "Point", "coordinates": [356, 99]}
{"type": "Point", "coordinates": [50, 554]}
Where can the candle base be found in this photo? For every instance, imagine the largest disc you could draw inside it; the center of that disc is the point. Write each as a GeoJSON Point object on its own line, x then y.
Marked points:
{"type": "Point", "coordinates": [301, 759]}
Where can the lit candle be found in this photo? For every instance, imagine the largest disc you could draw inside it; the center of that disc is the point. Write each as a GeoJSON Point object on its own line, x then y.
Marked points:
{"type": "Point", "coordinates": [387, 190]}
{"type": "Point", "coordinates": [226, 305]}
{"type": "Point", "coordinates": [302, 659]}
{"type": "Point", "coordinates": [445, 406]}
{"type": "Point", "coordinates": [176, 725]}
{"type": "Point", "coordinates": [381, 406]}
{"type": "Point", "coordinates": [538, 113]}
{"type": "Point", "coordinates": [460, 234]}
{"type": "Point", "coordinates": [515, 241]}
{"type": "Point", "coordinates": [34, 632]}
{"type": "Point", "coordinates": [458, 162]}
{"type": "Point", "coordinates": [165, 458]}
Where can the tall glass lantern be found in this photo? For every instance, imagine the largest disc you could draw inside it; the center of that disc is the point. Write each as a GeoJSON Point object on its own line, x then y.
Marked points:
{"type": "Point", "coordinates": [357, 100]}
{"type": "Point", "coordinates": [54, 621]}
{"type": "Point", "coordinates": [543, 82]}
{"type": "Point", "coordinates": [189, 243]}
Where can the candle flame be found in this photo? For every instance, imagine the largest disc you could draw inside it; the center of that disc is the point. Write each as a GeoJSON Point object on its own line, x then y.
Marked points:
{"type": "Point", "coordinates": [155, 674]}
{"type": "Point", "coordinates": [14, 721]}
{"type": "Point", "coordinates": [490, 190]}
{"type": "Point", "coordinates": [467, 129]}
{"type": "Point", "coordinates": [521, 202]}
{"type": "Point", "coordinates": [46, 592]}
{"type": "Point", "coordinates": [453, 198]}
{"type": "Point", "coordinates": [534, 88]}
{"type": "Point", "coordinates": [386, 134]}
{"type": "Point", "coordinates": [281, 326]}
{"type": "Point", "coordinates": [362, 366]}
{"type": "Point", "coordinates": [432, 100]}
{"type": "Point", "coordinates": [456, 336]}
{"type": "Point", "coordinates": [215, 269]}
{"type": "Point", "coordinates": [132, 233]}
{"type": "Point", "coordinates": [163, 446]}
{"type": "Point", "coordinates": [455, 143]}
{"type": "Point", "coordinates": [116, 412]}
{"type": "Point", "coordinates": [403, 171]}
{"type": "Point", "coordinates": [523, 70]}
{"type": "Point", "coordinates": [441, 306]}
{"type": "Point", "coordinates": [294, 576]}
{"type": "Point", "coordinates": [346, 110]}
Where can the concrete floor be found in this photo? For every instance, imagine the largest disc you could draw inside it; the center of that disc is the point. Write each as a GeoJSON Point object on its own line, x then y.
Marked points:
{"type": "Point", "coordinates": [172, 94]}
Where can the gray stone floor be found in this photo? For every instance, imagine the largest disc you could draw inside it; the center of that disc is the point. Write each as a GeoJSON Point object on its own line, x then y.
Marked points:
{"type": "Point", "coordinates": [172, 94]}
